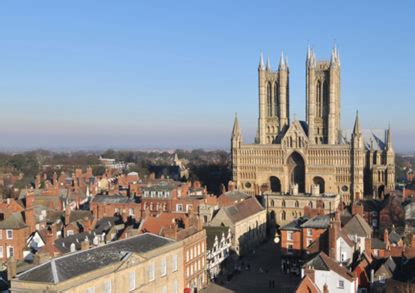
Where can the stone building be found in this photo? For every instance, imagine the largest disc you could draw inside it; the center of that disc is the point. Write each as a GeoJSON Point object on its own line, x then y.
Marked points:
{"type": "Point", "coordinates": [312, 156]}
{"type": "Point", "coordinates": [247, 222]}
{"type": "Point", "coordinates": [145, 263]}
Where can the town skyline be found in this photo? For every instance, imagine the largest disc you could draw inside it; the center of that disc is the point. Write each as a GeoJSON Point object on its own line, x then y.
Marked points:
{"type": "Point", "coordinates": [168, 77]}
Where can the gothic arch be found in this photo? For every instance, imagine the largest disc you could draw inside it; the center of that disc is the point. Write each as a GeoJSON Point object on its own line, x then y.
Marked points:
{"type": "Point", "coordinates": [269, 99]}
{"type": "Point", "coordinates": [275, 184]}
{"type": "Point", "coordinates": [276, 99]}
{"type": "Point", "coordinates": [296, 167]}
{"type": "Point", "coordinates": [320, 182]}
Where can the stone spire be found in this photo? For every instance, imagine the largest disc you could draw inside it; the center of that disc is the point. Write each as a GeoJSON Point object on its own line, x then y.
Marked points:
{"type": "Point", "coordinates": [311, 57]}
{"type": "Point", "coordinates": [283, 64]}
{"type": "Point", "coordinates": [389, 138]}
{"type": "Point", "coordinates": [335, 59]}
{"type": "Point", "coordinates": [268, 64]}
{"type": "Point", "coordinates": [261, 62]}
{"type": "Point", "coordinates": [236, 131]}
{"type": "Point", "coordinates": [356, 128]}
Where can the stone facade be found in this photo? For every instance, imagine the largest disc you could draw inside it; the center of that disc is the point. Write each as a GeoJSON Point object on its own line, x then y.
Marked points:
{"type": "Point", "coordinates": [312, 156]}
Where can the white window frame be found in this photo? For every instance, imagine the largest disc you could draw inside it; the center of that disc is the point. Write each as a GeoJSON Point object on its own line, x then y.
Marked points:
{"type": "Point", "coordinates": [11, 234]}
{"type": "Point", "coordinates": [174, 263]}
{"type": "Point", "coordinates": [290, 235]}
{"type": "Point", "coordinates": [108, 286]}
{"type": "Point", "coordinates": [1, 251]}
{"type": "Point", "coordinates": [151, 272]}
{"type": "Point", "coordinates": [163, 267]}
{"type": "Point", "coordinates": [131, 281]}
{"type": "Point", "coordinates": [341, 284]}
{"type": "Point", "coordinates": [309, 232]}
{"type": "Point", "coordinates": [10, 248]}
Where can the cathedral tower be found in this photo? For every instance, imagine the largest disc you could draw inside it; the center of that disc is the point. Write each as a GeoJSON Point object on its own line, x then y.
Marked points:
{"type": "Point", "coordinates": [273, 91]}
{"type": "Point", "coordinates": [323, 98]}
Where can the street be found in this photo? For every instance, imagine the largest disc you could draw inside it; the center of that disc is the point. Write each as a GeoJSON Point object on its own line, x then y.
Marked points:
{"type": "Point", "coordinates": [264, 267]}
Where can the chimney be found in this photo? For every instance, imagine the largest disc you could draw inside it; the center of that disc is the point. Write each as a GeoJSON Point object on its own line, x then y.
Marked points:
{"type": "Point", "coordinates": [67, 215]}
{"type": "Point", "coordinates": [231, 186]}
{"type": "Point", "coordinates": [11, 268]}
{"type": "Point", "coordinates": [325, 288]}
{"type": "Point", "coordinates": [85, 244]}
{"type": "Point", "coordinates": [368, 246]}
{"type": "Point", "coordinates": [30, 219]}
{"type": "Point", "coordinates": [386, 238]}
{"type": "Point", "coordinates": [87, 225]}
{"type": "Point", "coordinates": [50, 239]}
{"type": "Point", "coordinates": [334, 232]}
{"type": "Point", "coordinates": [309, 271]}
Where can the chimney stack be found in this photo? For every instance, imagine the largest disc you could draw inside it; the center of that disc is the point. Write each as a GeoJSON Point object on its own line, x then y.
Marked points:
{"type": "Point", "coordinates": [309, 271]}
{"type": "Point", "coordinates": [67, 215]}
{"type": "Point", "coordinates": [325, 288]}
{"type": "Point", "coordinates": [85, 244]}
{"type": "Point", "coordinates": [11, 268]}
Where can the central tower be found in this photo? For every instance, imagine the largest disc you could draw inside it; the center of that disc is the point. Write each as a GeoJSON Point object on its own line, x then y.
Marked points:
{"type": "Point", "coordinates": [323, 98]}
{"type": "Point", "coordinates": [273, 91]}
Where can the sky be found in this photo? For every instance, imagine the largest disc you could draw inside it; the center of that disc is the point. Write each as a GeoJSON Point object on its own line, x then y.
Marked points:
{"type": "Point", "coordinates": [172, 74]}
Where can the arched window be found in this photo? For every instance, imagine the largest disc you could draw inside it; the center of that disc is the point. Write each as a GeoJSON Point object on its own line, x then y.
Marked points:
{"type": "Point", "coordinates": [325, 102]}
{"type": "Point", "coordinates": [310, 204]}
{"type": "Point", "coordinates": [269, 100]}
{"type": "Point", "coordinates": [297, 204]}
{"type": "Point", "coordinates": [276, 98]}
{"type": "Point", "coordinates": [272, 203]}
{"type": "Point", "coordinates": [283, 203]}
{"type": "Point", "coordinates": [319, 99]}
{"type": "Point", "coordinates": [283, 216]}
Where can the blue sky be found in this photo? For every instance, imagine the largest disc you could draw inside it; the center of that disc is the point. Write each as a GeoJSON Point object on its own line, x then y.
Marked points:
{"type": "Point", "coordinates": [98, 74]}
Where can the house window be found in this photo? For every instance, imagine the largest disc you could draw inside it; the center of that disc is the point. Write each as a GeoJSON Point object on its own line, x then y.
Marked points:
{"type": "Point", "coordinates": [10, 251]}
{"type": "Point", "coordinates": [174, 263]}
{"type": "Point", "coordinates": [309, 241]}
{"type": "Point", "coordinates": [187, 255]}
{"type": "Point", "coordinates": [341, 284]}
{"type": "Point", "coordinates": [175, 286]}
{"type": "Point", "coordinates": [189, 207]}
{"type": "Point", "coordinates": [90, 290]}
{"type": "Point", "coordinates": [163, 267]}
{"type": "Point", "coordinates": [198, 249]}
{"type": "Point", "coordinates": [309, 232]}
{"type": "Point", "coordinates": [9, 234]}
{"type": "Point", "coordinates": [108, 286]}
{"type": "Point", "coordinates": [151, 272]}
{"type": "Point", "coordinates": [179, 207]}
{"type": "Point", "coordinates": [131, 212]}
{"type": "Point", "coordinates": [1, 251]}
{"type": "Point", "coordinates": [131, 281]}
{"type": "Point", "coordinates": [290, 235]}
{"type": "Point", "coordinates": [69, 233]}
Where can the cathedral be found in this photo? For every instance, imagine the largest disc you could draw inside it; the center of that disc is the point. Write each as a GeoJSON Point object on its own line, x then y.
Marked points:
{"type": "Point", "coordinates": [315, 156]}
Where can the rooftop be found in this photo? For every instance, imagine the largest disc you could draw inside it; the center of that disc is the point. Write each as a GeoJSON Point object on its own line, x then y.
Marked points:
{"type": "Point", "coordinates": [75, 264]}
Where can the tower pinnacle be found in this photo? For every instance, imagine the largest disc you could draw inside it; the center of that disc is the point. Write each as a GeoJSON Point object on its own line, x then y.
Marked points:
{"type": "Point", "coordinates": [356, 128]}
{"type": "Point", "coordinates": [268, 64]}
{"type": "Point", "coordinates": [261, 62]}
{"type": "Point", "coordinates": [283, 64]}
{"type": "Point", "coordinates": [236, 131]}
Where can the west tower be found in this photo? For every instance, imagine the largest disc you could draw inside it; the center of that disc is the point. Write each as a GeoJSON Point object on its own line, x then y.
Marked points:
{"type": "Point", "coordinates": [323, 98]}
{"type": "Point", "coordinates": [273, 92]}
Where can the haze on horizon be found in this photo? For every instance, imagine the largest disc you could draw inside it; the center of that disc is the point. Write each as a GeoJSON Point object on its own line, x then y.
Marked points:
{"type": "Point", "coordinates": [85, 75]}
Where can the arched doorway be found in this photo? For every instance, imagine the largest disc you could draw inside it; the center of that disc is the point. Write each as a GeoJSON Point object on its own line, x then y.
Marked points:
{"type": "Point", "coordinates": [381, 191]}
{"type": "Point", "coordinates": [320, 182]}
{"type": "Point", "coordinates": [296, 168]}
{"type": "Point", "coordinates": [275, 184]}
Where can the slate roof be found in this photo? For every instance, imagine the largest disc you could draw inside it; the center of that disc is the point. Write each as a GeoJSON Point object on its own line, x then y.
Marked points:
{"type": "Point", "coordinates": [75, 264]}
{"type": "Point", "coordinates": [120, 199]}
{"type": "Point", "coordinates": [295, 224]}
{"type": "Point", "coordinates": [243, 209]}
{"type": "Point", "coordinates": [358, 226]}
{"type": "Point", "coordinates": [394, 237]}
{"type": "Point", "coordinates": [236, 195]}
{"type": "Point", "coordinates": [13, 221]}
{"type": "Point", "coordinates": [322, 262]}
{"type": "Point", "coordinates": [317, 222]}
{"type": "Point", "coordinates": [212, 232]}
{"type": "Point", "coordinates": [378, 244]}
